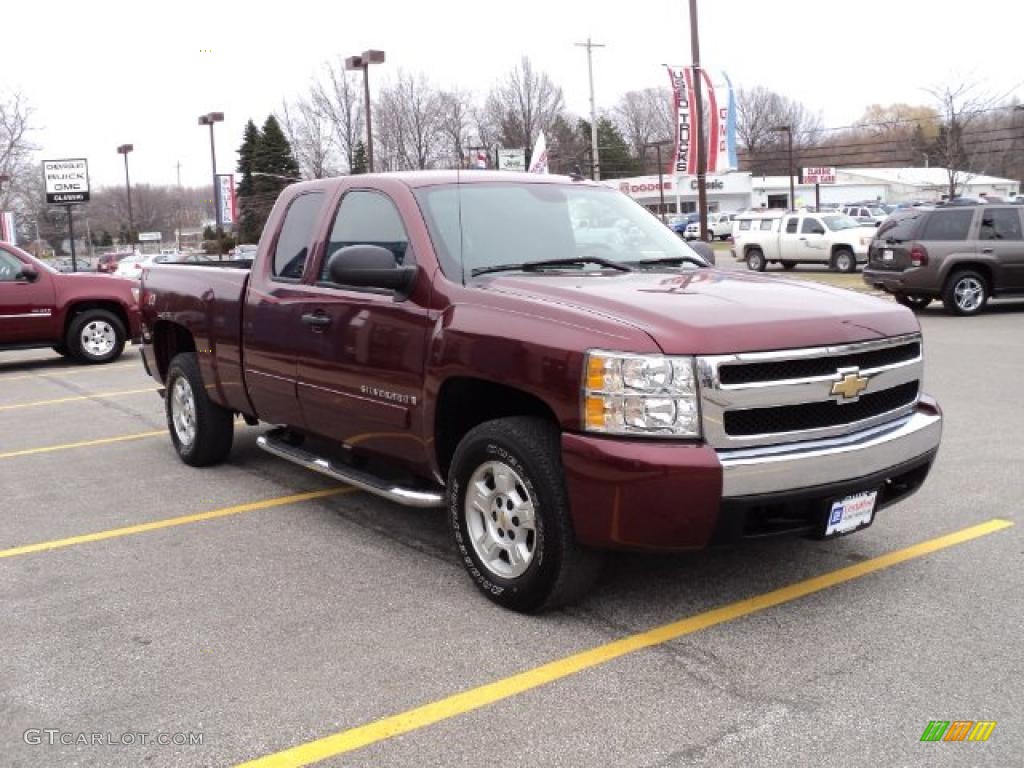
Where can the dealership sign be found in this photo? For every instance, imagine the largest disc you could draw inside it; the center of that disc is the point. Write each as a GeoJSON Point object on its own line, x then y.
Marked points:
{"type": "Point", "coordinates": [511, 159]}
{"type": "Point", "coordinates": [227, 206]}
{"type": "Point", "coordinates": [67, 181]}
{"type": "Point", "coordinates": [817, 175]}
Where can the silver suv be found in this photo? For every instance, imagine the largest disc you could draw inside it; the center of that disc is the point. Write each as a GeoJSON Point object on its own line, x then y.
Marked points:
{"type": "Point", "coordinates": [963, 255]}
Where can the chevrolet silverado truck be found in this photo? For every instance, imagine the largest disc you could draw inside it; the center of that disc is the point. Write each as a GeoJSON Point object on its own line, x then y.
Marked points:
{"type": "Point", "coordinates": [446, 340]}
{"type": "Point", "coordinates": [88, 318]}
{"type": "Point", "coordinates": [832, 239]}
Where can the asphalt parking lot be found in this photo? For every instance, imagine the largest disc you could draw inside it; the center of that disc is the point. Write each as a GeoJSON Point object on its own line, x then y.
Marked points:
{"type": "Point", "coordinates": [278, 616]}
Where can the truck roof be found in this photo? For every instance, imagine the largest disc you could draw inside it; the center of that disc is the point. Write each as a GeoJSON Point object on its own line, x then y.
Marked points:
{"type": "Point", "coordinates": [417, 179]}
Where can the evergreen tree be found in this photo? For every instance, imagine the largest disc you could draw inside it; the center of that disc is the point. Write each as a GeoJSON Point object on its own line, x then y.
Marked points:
{"type": "Point", "coordinates": [359, 162]}
{"type": "Point", "coordinates": [616, 159]}
{"type": "Point", "coordinates": [106, 240]}
{"type": "Point", "coordinates": [249, 225]}
{"type": "Point", "coordinates": [274, 167]}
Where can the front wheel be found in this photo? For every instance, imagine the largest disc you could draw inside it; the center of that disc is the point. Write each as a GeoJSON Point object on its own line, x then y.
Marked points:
{"type": "Point", "coordinates": [509, 516]}
{"type": "Point", "coordinates": [843, 260]}
{"type": "Point", "coordinates": [755, 260]}
{"type": "Point", "coordinates": [201, 430]}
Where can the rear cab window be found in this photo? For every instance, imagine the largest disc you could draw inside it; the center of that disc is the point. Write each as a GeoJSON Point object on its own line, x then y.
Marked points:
{"type": "Point", "coordinates": [292, 247]}
{"type": "Point", "coordinates": [791, 225]}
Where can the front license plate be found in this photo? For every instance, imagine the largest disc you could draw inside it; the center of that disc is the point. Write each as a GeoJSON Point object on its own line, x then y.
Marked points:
{"type": "Point", "coordinates": [886, 255]}
{"type": "Point", "coordinates": [851, 513]}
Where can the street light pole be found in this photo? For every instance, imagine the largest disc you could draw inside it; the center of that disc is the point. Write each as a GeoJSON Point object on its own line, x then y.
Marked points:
{"type": "Point", "coordinates": [210, 119]}
{"type": "Point", "coordinates": [363, 62]}
{"type": "Point", "coordinates": [702, 162]}
{"type": "Point", "coordinates": [595, 155]}
{"type": "Point", "coordinates": [124, 149]}
{"type": "Point", "coordinates": [788, 130]}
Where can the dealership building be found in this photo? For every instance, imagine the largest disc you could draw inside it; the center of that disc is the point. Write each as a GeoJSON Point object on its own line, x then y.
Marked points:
{"type": "Point", "coordinates": [739, 191]}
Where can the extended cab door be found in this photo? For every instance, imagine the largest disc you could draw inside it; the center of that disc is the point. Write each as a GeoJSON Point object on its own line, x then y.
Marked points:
{"type": "Point", "coordinates": [790, 246]}
{"type": "Point", "coordinates": [27, 308]}
{"type": "Point", "coordinates": [361, 351]}
{"type": "Point", "coordinates": [271, 314]}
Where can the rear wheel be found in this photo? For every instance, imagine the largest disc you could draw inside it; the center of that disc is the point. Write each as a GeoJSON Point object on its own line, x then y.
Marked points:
{"type": "Point", "coordinates": [966, 293]}
{"type": "Point", "coordinates": [509, 516]}
{"type": "Point", "coordinates": [916, 303]}
{"type": "Point", "coordinates": [843, 260]}
{"type": "Point", "coordinates": [95, 336]}
{"type": "Point", "coordinates": [201, 430]}
{"type": "Point", "coordinates": [756, 260]}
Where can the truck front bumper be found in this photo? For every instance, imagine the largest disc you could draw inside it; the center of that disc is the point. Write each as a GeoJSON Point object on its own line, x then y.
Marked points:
{"type": "Point", "coordinates": [634, 494]}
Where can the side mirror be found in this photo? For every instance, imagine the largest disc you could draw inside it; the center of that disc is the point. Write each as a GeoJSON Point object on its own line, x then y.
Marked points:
{"type": "Point", "coordinates": [28, 274]}
{"type": "Point", "coordinates": [704, 250]}
{"type": "Point", "coordinates": [370, 266]}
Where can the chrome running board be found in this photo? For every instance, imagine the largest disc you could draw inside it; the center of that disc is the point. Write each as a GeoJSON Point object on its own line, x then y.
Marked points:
{"type": "Point", "coordinates": [272, 443]}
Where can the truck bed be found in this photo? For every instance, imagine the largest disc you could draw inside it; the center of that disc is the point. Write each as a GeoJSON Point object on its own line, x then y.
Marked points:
{"type": "Point", "coordinates": [206, 301]}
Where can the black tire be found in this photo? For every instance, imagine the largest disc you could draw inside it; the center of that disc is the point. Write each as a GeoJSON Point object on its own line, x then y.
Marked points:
{"type": "Point", "coordinates": [788, 265]}
{"type": "Point", "coordinates": [843, 260]}
{"type": "Point", "coordinates": [755, 260]}
{"type": "Point", "coordinates": [558, 570]}
{"type": "Point", "coordinates": [212, 426]}
{"type": "Point", "coordinates": [94, 337]}
{"type": "Point", "coordinates": [959, 287]}
{"type": "Point", "coordinates": [916, 303]}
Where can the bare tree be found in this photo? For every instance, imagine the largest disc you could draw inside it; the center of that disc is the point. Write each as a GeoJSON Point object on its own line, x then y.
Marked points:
{"type": "Point", "coordinates": [16, 147]}
{"type": "Point", "coordinates": [759, 111]}
{"type": "Point", "coordinates": [339, 100]}
{"type": "Point", "coordinates": [409, 118]}
{"type": "Point", "coordinates": [309, 133]}
{"type": "Point", "coordinates": [522, 105]}
{"type": "Point", "coordinates": [456, 124]}
{"type": "Point", "coordinates": [960, 107]}
{"type": "Point", "coordinates": [644, 117]}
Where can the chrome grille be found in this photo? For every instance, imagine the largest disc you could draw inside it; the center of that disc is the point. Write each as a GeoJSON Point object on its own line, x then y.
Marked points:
{"type": "Point", "coordinates": [767, 398]}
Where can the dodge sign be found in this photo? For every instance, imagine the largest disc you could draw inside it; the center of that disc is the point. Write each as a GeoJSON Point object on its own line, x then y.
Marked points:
{"type": "Point", "coordinates": [67, 181]}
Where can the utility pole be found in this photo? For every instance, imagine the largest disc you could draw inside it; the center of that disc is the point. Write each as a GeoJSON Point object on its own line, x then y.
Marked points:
{"type": "Point", "coordinates": [702, 161]}
{"type": "Point", "coordinates": [177, 212]}
{"type": "Point", "coordinates": [589, 45]}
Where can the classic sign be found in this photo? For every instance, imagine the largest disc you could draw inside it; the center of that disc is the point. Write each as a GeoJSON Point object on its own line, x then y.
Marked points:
{"type": "Point", "coordinates": [67, 181]}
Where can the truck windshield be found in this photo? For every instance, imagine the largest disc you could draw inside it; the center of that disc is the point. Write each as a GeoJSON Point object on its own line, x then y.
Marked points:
{"type": "Point", "coordinates": [836, 223]}
{"type": "Point", "coordinates": [478, 225]}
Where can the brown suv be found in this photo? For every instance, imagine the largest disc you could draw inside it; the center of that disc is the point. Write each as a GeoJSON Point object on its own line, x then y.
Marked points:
{"type": "Point", "coordinates": [963, 255]}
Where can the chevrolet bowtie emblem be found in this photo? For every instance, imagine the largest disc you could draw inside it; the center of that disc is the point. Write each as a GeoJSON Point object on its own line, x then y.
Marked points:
{"type": "Point", "coordinates": [850, 385]}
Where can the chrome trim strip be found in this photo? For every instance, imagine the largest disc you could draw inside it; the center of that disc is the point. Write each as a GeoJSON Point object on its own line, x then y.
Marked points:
{"type": "Point", "coordinates": [747, 472]}
{"type": "Point", "coordinates": [47, 313]}
{"type": "Point", "coordinates": [409, 497]}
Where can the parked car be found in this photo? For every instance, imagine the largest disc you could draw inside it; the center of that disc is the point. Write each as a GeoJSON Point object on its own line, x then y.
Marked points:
{"type": "Point", "coordinates": [108, 262]}
{"type": "Point", "coordinates": [244, 251]}
{"type": "Point", "coordinates": [88, 318]}
{"type": "Point", "coordinates": [750, 224]}
{"type": "Point", "coordinates": [963, 255]}
{"type": "Point", "coordinates": [78, 264]}
{"type": "Point", "coordinates": [807, 238]}
{"type": "Point", "coordinates": [866, 214]}
{"type": "Point", "coordinates": [678, 224]}
{"type": "Point", "coordinates": [719, 227]}
{"type": "Point", "coordinates": [444, 340]}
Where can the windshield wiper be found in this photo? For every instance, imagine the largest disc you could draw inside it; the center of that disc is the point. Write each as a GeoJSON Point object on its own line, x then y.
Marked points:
{"type": "Point", "coordinates": [670, 261]}
{"type": "Point", "coordinates": [530, 266]}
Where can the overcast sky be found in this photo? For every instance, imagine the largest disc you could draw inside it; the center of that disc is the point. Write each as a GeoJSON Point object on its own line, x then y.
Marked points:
{"type": "Point", "coordinates": [107, 72]}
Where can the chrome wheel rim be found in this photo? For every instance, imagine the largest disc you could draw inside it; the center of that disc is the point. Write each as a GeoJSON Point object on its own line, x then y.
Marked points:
{"type": "Point", "coordinates": [968, 294]}
{"type": "Point", "coordinates": [183, 411]}
{"type": "Point", "coordinates": [500, 519]}
{"type": "Point", "coordinates": [754, 262]}
{"type": "Point", "coordinates": [843, 262]}
{"type": "Point", "coordinates": [98, 338]}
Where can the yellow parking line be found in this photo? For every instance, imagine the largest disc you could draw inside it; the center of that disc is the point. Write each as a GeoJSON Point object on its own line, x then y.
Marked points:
{"type": "Point", "coordinates": [82, 444]}
{"type": "Point", "coordinates": [157, 525]}
{"type": "Point", "coordinates": [72, 371]}
{"type": "Point", "coordinates": [76, 398]}
{"type": "Point", "coordinates": [475, 698]}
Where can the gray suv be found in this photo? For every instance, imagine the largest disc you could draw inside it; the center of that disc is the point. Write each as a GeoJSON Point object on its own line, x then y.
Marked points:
{"type": "Point", "coordinates": [963, 255]}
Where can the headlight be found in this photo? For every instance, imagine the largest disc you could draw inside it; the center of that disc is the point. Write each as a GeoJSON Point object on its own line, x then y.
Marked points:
{"type": "Point", "coordinates": [651, 395]}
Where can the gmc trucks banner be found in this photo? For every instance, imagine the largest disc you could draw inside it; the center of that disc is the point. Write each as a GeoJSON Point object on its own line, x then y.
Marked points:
{"type": "Point", "coordinates": [67, 181]}
{"type": "Point", "coordinates": [720, 121]}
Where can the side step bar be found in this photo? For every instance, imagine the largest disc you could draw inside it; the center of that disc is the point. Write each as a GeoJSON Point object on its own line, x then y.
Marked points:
{"type": "Point", "coordinates": [272, 443]}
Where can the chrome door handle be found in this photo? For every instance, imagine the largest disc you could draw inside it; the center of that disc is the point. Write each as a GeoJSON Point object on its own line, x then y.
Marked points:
{"type": "Point", "coordinates": [987, 250]}
{"type": "Point", "coordinates": [316, 320]}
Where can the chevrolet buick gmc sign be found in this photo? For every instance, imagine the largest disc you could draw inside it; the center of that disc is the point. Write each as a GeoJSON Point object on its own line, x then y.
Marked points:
{"type": "Point", "coordinates": [67, 181]}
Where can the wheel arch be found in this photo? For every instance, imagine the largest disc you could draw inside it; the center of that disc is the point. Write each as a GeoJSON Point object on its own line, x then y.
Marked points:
{"type": "Point", "coordinates": [170, 339]}
{"type": "Point", "coordinates": [114, 307]}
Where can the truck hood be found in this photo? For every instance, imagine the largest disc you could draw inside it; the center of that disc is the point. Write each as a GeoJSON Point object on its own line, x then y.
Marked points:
{"type": "Point", "coordinates": [710, 311]}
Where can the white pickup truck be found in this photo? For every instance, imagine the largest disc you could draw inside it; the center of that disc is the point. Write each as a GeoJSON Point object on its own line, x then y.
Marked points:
{"type": "Point", "coordinates": [719, 227]}
{"type": "Point", "coordinates": [803, 238]}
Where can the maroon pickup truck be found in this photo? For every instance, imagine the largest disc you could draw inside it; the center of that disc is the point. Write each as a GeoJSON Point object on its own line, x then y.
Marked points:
{"type": "Point", "coordinates": [86, 317]}
{"type": "Point", "coordinates": [547, 361]}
